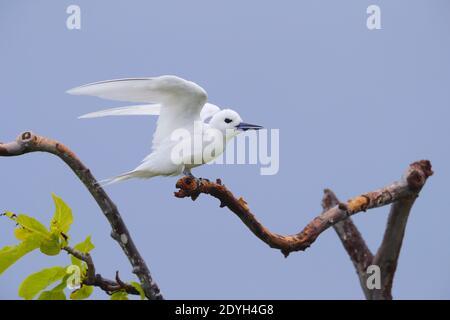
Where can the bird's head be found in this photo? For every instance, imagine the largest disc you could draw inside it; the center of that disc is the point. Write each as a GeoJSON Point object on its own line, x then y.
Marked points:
{"type": "Point", "coordinates": [230, 123]}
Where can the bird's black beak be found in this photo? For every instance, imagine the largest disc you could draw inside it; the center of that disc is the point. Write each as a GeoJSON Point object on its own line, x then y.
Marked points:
{"type": "Point", "coordinates": [247, 126]}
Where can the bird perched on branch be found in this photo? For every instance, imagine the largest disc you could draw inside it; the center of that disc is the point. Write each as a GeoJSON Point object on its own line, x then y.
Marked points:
{"type": "Point", "coordinates": [189, 132]}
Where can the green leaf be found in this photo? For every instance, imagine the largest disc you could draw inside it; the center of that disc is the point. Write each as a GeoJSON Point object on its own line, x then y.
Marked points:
{"type": "Point", "coordinates": [49, 243]}
{"type": "Point", "coordinates": [119, 295]}
{"type": "Point", "coordinates": [40, 280]}
{"type": "Point", "coordinates": [32, 225]}
{"type": "Point", "coordinates": [22, 234]}
{"type": "Point", "coordinates": [83, 293]}
{"type": "Point", "coordinates": [62, 219]}
{"type": "Point", "coordinates": [29, 226]}
{"type": "Point", "coordinates": [57, 293]}
{"type": "Point", "coordinates": [138, 287]}
{"type": "Point", "coordinates": [10, 254]}
{"type": "Point", "coordinates": [9, 214]}
{"type": "Point", "coordinates": [51, 246]}
{"type": "Point", "coordinates": [84, 247]}
{"type": "Point", "coordinates": [63, 284]}
{"type": "Point", "coordinates": [52, 295]}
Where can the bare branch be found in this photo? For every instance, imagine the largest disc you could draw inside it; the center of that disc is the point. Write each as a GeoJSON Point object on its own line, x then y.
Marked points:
{"type": "Point", "coordinates": [389, 251]}
{"type": "Point", "coordinates": [352, 241]}
{"type": "Point", "coordinates": [401, 194]}
{"type": "Point", "coordinates": [408, 187]}
{"type": "Point", "coordinates": [28, 142]}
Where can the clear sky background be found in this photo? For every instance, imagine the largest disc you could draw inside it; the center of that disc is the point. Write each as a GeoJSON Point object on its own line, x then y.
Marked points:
{"type": "Point", "coordinates": [354, 108]}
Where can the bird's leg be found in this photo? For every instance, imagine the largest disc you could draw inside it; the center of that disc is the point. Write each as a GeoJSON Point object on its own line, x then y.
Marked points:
{"type": "Point", "coordinates": [187, 172]}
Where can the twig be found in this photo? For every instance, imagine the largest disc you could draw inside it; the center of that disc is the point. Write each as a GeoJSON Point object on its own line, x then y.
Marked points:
{"type": "Point", "coordinates": [29, 142]}
{"type": "Point", "coordinates": [93, 279]}
{"type": "Point", "coordinates": [407, 188]}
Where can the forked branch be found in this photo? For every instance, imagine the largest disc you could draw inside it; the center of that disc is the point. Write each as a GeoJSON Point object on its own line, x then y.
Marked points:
{"type": "Point", "coordinates": [400, 194]}
{"type": "Point", "coordinates": [95, 279]}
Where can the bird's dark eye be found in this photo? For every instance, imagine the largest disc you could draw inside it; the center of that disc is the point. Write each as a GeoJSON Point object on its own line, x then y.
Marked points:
{"type": "Point", "coordinates": [228, 120]}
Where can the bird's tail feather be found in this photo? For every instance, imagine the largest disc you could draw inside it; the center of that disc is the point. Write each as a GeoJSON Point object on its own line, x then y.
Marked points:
{"type": "Point", "coordinates": [119, 178]}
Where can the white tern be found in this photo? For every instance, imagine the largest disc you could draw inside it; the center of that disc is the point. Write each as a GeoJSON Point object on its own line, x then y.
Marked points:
{"type": "Point", "coordinates": [180, 104]}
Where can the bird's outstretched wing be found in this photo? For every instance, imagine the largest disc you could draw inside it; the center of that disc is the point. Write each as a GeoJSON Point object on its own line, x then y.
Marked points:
{"type": "Point", "coordinates": [180, 101]}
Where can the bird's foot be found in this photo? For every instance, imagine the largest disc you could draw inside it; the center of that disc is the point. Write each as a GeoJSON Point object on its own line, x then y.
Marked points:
{"type": "Point", "coordinates": [189, 187]}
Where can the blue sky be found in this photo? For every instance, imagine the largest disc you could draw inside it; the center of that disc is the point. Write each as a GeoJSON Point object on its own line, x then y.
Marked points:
{"type": "Point", "coordinates": [354, 107]}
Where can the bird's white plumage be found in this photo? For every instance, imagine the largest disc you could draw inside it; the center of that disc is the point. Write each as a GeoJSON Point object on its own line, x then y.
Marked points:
{"type": "Point", "coordinates": [128, 89]}
{"type": "Point", "coordinates": [179, 104]}
{"type": "Point", "coordinates": [181, 100]}
{"type": "Point", "coordinates": [208, 111]}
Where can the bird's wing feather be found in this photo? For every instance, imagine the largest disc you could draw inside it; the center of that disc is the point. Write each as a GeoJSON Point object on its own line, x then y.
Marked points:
{"type": "Point", "coordinates": [138, 110]}
{"type": "Point", "coordinates": [181, 100]}
{"type": "Point", "coordinates": [129, 89]}
{"type": "Point", "coordinates": [207, 112]}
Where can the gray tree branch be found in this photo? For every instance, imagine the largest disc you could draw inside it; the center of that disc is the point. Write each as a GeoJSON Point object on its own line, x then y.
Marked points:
{"type": "Point", "coordinates": [353, 242]}
{"type": "Point", "coordinates": [389, 251]}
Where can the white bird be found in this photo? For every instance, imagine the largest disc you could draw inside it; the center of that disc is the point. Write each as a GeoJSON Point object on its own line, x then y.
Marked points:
{"type": "Point", "coordinates": [180, 104]}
